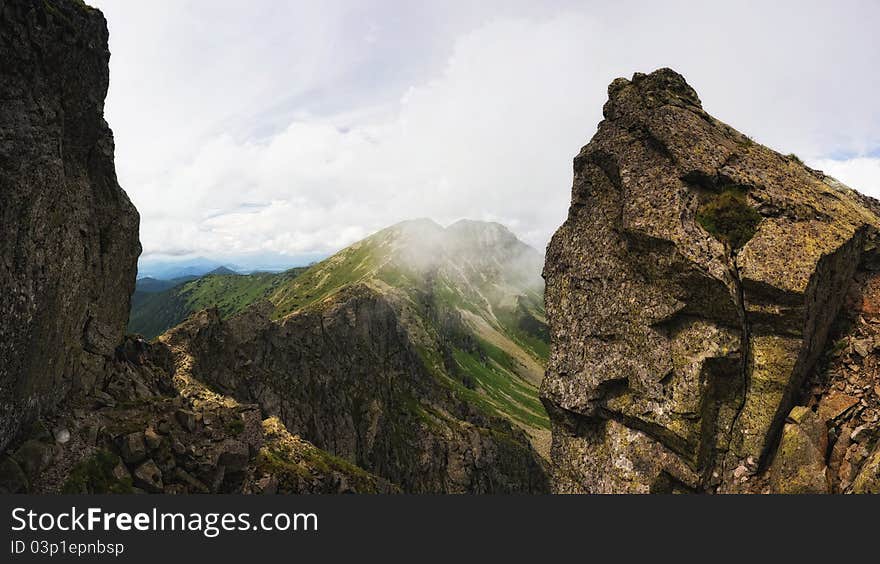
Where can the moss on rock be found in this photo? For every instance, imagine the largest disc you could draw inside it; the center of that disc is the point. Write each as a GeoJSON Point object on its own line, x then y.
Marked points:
{"type": "Point", "coordinates": [729, 217]}
{"type": "Point", "coordinates": [295, 463]}
{"type": "Point", "coordinates": [98, 475]}
{"type": "Point", "coordinates": [12, 478]}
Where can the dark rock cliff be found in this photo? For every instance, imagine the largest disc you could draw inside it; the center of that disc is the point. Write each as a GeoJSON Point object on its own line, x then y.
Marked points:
{"type": "Point", "coordinates": [690, 294]}
{"type": "Point", "coordinates": [142, 430]}
{"type": "Point", "coordinates": [70, 235]}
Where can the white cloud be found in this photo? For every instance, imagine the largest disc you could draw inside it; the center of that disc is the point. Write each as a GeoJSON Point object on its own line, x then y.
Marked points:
{"type": "Point", "coordinates": [285, 129]}
{"type": "Point", "coordinates": [467, 144]}
{"type": "Point", "coordinates": [861, 173]}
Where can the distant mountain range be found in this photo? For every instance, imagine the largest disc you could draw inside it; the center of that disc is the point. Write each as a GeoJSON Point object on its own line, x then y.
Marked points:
{"type": "Point", "coordinates": [158, 305]}
{"type": "Point", "coordinates": [179, 268]}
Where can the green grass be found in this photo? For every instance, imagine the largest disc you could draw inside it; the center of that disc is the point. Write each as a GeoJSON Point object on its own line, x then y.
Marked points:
{"type": "Point", "coordinates": [325, 278]}
{"type": "Point", "coordinates": [498, 390]}
{"type": "Point", "coordinates": [507, 394]}
{"type": "Point", "coordinates": [154, 313]}
{"type": "Point", "coordinates": [309, 463]}
{"type": "Point", "coordinates": [525, 326]}
{"type": "Point", "coordinates": [729, 217]}
{"type": "Point", "coordinates": [499, 393]}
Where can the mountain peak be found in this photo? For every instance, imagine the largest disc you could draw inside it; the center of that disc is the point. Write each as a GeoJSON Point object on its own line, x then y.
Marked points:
{"type": "Point", "coordinates": [419, 222]}
{"type": "Point", "coordinates": [659, 88]}
{"type": "Point", "coordinates": [422, 242]}
{"type": "Point", "coordinates": [221, 270]}
{"type": "Point", "coordinates": [481, 235]}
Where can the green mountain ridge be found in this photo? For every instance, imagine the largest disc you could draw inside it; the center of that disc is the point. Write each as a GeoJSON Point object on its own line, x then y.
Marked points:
{"type": "Point", "coordinates": [150, 285]}
{"type": "Point", "coordinates": [470, 296]}
{"type": "Point", "coordinates": [152, 313]}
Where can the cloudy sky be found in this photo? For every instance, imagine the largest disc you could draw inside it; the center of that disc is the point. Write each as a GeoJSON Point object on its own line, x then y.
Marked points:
{"type": "Point", "coordinates": [272, 128]}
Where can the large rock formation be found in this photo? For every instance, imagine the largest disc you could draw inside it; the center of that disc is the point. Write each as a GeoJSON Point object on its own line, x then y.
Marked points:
{"type": "Point", "coordinates": [689, 294]}
{"type": "Point", "coordinates": [70, 235]}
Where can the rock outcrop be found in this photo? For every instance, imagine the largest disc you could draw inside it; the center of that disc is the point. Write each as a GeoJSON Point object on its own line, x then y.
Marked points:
{"type": "Point", "coordinates": [142, 430]}
{"type": "Point", "coordinates": [690, 294]}
{"type": "Point", "coordinates": [69, 247]}
{"type": "Point", "coordinates": [845, 391]}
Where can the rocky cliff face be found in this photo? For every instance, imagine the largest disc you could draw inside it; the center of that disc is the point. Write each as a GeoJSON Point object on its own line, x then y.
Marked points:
{"type": "Point", "coordinates": [70, 235]}
{"type": "Point", "coordinates": [690, 294]}
{"type": "Point", "coordinates": [345, 375]}
{"type": "Point", "coordinates": [147, 427]}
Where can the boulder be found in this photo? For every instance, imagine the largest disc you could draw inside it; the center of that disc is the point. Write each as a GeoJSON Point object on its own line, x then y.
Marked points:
{"type": "Point", "coordinates": [187, 419]}
{"type": "Point", "coordinates": [799, 464]}
{"type": "Point", "coordinates": [34, 456]}
{"type": "Point", "coordinates": [234, 456]}
{"type": "Point", "coordinates": [132, 448]}
{"type": "Point", "coordinates": [152, 438]}
{"type": "Point", "coordinates": [836, 404]}
{"type": "Point", "coordinates": [148, 476]}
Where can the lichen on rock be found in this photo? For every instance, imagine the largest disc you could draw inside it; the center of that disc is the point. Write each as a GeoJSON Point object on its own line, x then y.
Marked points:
{"type": "Point", "coordinates": [689, 294]}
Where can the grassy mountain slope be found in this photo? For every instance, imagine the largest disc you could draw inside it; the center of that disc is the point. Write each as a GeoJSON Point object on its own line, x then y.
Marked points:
{"type": "Point", "coordinates": [152, 313]}
{"type": "Point", "coordinates": [150, 285]}
{"type": "Point", "coordinates": [470, 296]}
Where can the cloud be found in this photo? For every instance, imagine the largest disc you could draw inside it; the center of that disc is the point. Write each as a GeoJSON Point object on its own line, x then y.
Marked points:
{"type": "Point", "coordinates": [292, 130]}
{"type": "Point", "coordinates": [862, 173]}
{"type": "Point", "coordinates": [466, 144]}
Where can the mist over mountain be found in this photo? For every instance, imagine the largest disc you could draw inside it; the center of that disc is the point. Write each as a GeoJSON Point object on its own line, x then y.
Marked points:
{"type": "Point", "coordinates": [470, 296]}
